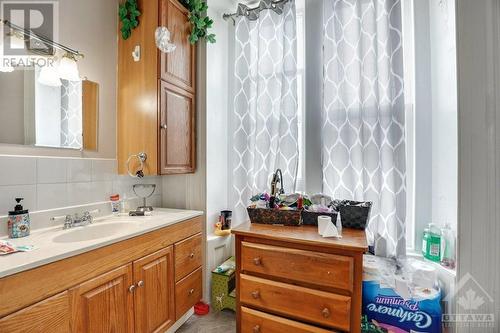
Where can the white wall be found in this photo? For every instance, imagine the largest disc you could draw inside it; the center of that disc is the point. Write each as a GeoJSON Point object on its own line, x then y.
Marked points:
{"type": "Point", "coordinates": [478, 49]}
{"type": "Point", "coordinates": [218, 135]}
{"type": "Point", "coordinates": [444, 112]}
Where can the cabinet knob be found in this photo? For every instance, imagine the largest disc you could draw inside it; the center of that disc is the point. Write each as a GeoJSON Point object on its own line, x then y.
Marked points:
{"type": "Point", "coordinates": [131, 288]}
{"type": "Point", "coordinates": [140, 283]}
{"type": "Point", "coordinates": [257, 261]}
{"type": "Point", "coordinates": [163, 126]}
{"type": "Point", "coordinates": [256, 329]}
{"type": "Point", "coordinates": [191, 255]}
{"type": "Point", "coordinates": [256, 294]}
{"type": "Point", "coordinates": [191, 291]}
{"type": "Point", "coordinates": [325, 313]}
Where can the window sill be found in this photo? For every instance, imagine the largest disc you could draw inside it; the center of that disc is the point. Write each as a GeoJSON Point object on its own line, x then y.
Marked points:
{"type": "Point", "coordinates": [447, 271]}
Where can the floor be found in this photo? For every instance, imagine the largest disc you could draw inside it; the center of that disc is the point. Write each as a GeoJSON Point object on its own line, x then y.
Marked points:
{"type": "Point", "coordinates": [215, 322]}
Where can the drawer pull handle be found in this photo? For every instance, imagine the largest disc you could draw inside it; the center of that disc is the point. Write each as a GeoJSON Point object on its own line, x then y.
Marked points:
{"type": "Point", "coordinates": [257, 261]}
{"type": "Point", "coordinates": [256, 294]}
{"type": "Point", "coordinates": [131, 288]}
{"type": "Point", "coordinates": [256, 329]}
{"type": "Point", "coordinates": [191, 255]}
{"type": "Point", "coordinates": [191, 291]}
{"type": "Point", "coordinates": [325, 313]}
{"type": "Point", "coordinates": [140, 284]}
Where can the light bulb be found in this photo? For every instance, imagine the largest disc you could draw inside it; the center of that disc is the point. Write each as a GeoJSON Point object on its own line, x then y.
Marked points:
{"type": "Point", "coordinates": [68, 68]}
{"type": "Point", "coordinates": [49, 76]}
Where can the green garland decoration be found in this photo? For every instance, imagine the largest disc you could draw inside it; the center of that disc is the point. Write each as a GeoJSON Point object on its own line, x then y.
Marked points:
{"type": "Point", "coordinates": [200, 23]}
{"type": "Point", "coordinates": [129, 16]}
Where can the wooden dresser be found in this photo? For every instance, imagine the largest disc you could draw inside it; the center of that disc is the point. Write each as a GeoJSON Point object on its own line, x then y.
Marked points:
{"type": "Point", "coordinates": [290, 279]}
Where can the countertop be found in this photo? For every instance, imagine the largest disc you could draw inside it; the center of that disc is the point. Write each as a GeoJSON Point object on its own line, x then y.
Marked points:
{"type": "Point", "coordinates": [52, 244]}
{"type": "Point", "coordinates": [352, 239]}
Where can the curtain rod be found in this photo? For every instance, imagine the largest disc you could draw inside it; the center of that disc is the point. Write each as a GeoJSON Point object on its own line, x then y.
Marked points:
{"type": "Point", "coordinates": [46, 41]}
{"type": "Point", "coordinates": [253, 13]}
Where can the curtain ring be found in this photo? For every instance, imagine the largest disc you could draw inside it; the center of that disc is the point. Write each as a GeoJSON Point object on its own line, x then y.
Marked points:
{"type": "Point", "coordinates": [142, 157]}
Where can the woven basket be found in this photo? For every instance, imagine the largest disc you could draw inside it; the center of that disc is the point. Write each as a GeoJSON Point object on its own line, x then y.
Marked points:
{"type": "Point", "coordinates": [311, 218]}
{"type": "Point", "coordinates": [274, 216]}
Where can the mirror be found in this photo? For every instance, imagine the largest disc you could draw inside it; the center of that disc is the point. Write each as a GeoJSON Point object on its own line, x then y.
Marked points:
{"type": "Point", "coordinates": [33, 113]}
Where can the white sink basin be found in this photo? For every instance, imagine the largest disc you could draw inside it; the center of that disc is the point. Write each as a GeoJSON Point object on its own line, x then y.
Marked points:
{"type": "Point", "coordinates": [91, 232]}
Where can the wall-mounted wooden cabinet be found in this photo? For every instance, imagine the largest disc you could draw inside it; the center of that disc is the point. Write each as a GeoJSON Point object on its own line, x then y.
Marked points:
{"type": "Point", "coordinates": [156, 94]}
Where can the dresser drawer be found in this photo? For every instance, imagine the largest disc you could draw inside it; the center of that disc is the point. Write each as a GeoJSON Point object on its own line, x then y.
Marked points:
{"type": "Point", "coordinates": [325, 269]}
{"type": "Point", "coordinates": [293, 301]}
{"type": "Point", "coordinates": [253, 321]}
{"type": "Point", "coordinates": [187, 256]}
{"type": "Point", "coordinates": [188, 292]}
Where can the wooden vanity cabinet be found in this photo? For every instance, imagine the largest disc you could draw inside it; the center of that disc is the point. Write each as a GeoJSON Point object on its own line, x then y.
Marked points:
{"type": "Point", "coordinates": [104, 304]}
{"type": "Point", "coordinates": [156, 93]}
{"type": "Point", "coordinates": [129, 286]}
{"type": "Point", "coordinates": [154, 295]}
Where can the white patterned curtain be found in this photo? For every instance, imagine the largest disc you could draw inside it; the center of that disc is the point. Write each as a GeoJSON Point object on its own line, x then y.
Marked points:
{"type": "Point", "coordinates": [363, 134]}
{"type": "Point", "coordinates": [265, 104]}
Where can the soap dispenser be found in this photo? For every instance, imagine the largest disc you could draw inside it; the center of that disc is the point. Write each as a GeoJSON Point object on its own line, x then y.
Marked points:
{"type": "Point", "coordinates": [19, 221]}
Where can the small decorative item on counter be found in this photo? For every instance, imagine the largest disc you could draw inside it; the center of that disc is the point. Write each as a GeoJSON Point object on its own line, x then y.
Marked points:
{"type": "Point", "coordinates": [115, 203]}
{"type": "Point", "coordinates": [448, 247]}
{"type": "Point", "coordinates": [8, 248]}
{"type": "Point", "coordinates": [225, 218]}
{"type": "Point", "coordinates": [221, 232]}
{"type": "Point", "coordinates": [19, 221]}
{"type": "Point", "coordinates": [431, 243]}
{"type": "Point", "coordinates": [355, 214]}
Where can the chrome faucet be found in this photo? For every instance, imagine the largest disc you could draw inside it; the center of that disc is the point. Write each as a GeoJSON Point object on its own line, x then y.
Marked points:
{"type": "Point", "coordinates": [71, 221]}
{"type": "Point", "coordinates": [77, 221]}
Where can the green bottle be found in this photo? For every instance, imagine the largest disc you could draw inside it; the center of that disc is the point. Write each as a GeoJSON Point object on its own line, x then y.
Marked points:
{"type": "Point", "coordinates": [432, 243]}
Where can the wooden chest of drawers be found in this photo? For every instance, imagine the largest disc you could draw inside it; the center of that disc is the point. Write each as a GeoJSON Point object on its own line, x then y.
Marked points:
{"type": "Point", "coordinates": [291, 279]}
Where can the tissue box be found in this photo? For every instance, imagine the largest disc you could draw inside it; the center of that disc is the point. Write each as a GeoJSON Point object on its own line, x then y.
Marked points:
{"type": "Point", "coordinates": [396, 302]}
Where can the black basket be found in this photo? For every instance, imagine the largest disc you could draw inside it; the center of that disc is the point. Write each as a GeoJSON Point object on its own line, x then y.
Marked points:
{"type": "Point", "coordinates": [354, 214]}
{"type": "Point", "coordinates": [311, 218]}
{"type": "Point", "coordinates": [274, 216]}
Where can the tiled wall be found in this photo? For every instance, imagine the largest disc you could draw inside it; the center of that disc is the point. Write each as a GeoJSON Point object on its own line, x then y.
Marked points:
{"type": "Point", "coordinates": [52, 183]}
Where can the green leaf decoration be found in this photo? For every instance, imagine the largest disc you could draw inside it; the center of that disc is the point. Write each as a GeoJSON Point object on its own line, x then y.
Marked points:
{"type": "Point", "coordinates": [128, 13]}
{"type": "Point", "coordinates": [200, 23]}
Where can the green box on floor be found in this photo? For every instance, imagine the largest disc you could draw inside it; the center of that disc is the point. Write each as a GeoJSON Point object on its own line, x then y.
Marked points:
{"type": "Point", "coordinates": [223, 286]}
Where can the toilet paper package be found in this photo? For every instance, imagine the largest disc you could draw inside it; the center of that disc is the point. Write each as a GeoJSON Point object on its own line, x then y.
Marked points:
{"type": "Point", "coordinates": [396, 299]}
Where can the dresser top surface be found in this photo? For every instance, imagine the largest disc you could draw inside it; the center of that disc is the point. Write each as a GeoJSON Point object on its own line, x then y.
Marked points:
{"type": "Point", "coordinates": [352, 239]}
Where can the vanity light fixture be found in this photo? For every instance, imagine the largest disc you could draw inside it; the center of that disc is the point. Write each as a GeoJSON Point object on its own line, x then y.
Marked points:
{"type": "Point", "coordinates": [163, 41]}
{"type": "Point", "coordinates": [68, 68]}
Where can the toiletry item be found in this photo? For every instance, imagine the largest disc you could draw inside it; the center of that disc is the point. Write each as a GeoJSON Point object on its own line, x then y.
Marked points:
{"type": "Point", "coordinates": [425, 238]}
{"type": "Point", "coordinates": [19, 221]}
{"type": "Point", "coordinates": [433, 243]}
{"type": "Point", "coordinates": [225, 219]}
{"type": "Point", "coordinates": [448, 247]}
{"type": "Point", "coordinates": [331, 231]}
{"type": "Point", "coordinates": [8, 248]}
{"type": "Point", "coordinates": [323, 222]}
{"type": "Point", "coordinates": [115, 203]}
{"type": "Point", "coordinates": [339, 224]}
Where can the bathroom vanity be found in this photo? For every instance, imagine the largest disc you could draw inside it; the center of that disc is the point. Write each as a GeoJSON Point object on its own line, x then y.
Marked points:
{"type": "Point", "coordinates": [291, 279]}
{"type": "Point", "coordinates": [143, 277]}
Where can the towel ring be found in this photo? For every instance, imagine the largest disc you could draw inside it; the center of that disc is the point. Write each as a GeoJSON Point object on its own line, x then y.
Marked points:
{"type": "Point", "coordinates": [142, 157]}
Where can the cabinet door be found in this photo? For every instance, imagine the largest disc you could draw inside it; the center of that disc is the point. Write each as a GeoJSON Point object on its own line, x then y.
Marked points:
{"type": "Point", "coordinates": [177, 137]}
{"type": "Point", "coordinates": [178, 67]}
{"type": "Point", "coordinates": [104, 304]}
{"type": "Point", "coordinates": [154, 296]}
{"type": "Point", "coordinates": [49, 315]}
